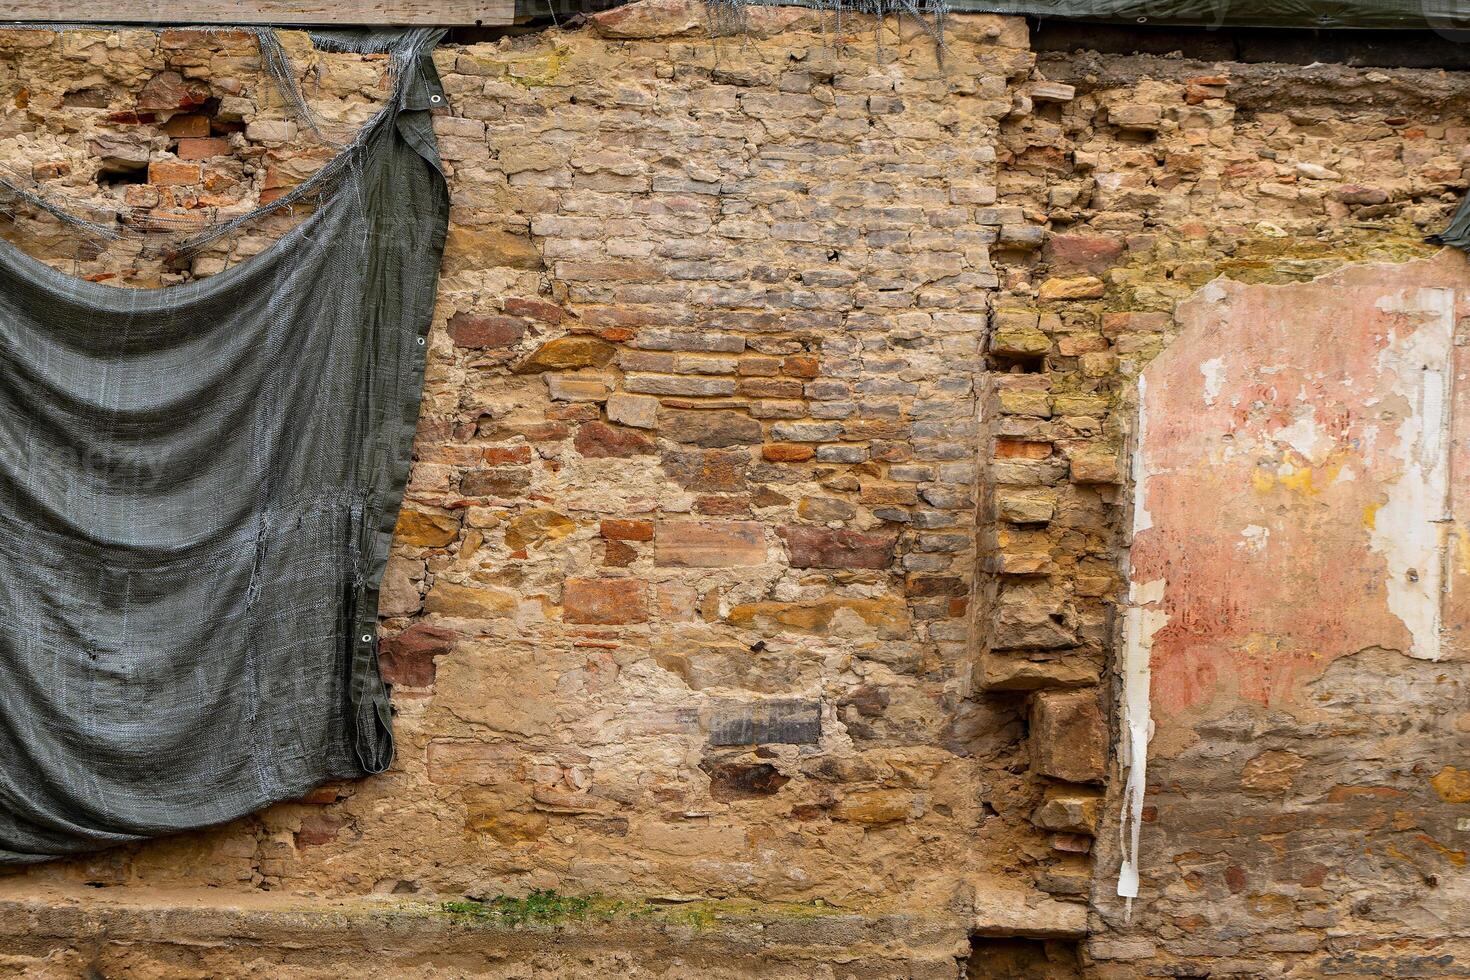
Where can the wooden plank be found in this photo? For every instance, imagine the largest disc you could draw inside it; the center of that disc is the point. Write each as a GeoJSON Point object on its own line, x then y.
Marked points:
{"type": "Point", "coordinates": [301, 13]}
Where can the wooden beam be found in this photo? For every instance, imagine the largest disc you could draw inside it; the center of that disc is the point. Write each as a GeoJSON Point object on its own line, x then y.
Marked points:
{"type": "Point", "coordinates": [300, 13]}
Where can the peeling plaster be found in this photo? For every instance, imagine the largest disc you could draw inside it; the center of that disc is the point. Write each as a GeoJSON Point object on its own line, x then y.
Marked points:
{"type": "Point", "coordinates": [1294, 509]}
{"type": "Point", "coordinates": [1408, 530]}
{"type": "Point", "coordinates": [1143, 618]}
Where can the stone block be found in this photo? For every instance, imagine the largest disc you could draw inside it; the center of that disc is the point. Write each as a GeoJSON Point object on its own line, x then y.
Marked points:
{"type": "Point", "coordinates": [874, 807]}
{"type": "Point", "coordinates": [408, 658]}
{"type": "Point", "coordinates": [479, 331]}
{"type": "Point", "coordinates": [568, 354]}
{"type": "Point", "coordinates": [1135, 117]}
{"type": "Point", "coordinates": [709, 544]}
{"type": "Point", "coordinates": [1011, 672]}
{"type": "Point", "coordinates": [599, 440]}
{"type": "Point", "coordinates": [1069, 809]}
{"type": "Point", "coordinates": [639, 411]}
{"type": "Point", "coordinates": [713, 429]}
{"type": "Point", "coordinates": [1026, 506]}
{"type": "Point", "coordinates": [605, 601]}
{"type": "Point", "coordinates": [1075, 287]}
{"type": "Point", "coordinates": [469, 602]}
{"type": "Point", "coordinates": [425, 529]}
{"type": "Point", "coordinates": [790, 721]}
{"type": "Point", "coordinates": [1068, 737]}
{"type": "Point", "coordinates": [818, 547]}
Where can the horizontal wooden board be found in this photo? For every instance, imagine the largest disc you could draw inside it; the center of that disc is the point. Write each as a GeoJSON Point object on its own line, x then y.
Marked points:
{"type": "Point", "coordinates": [315, 13]}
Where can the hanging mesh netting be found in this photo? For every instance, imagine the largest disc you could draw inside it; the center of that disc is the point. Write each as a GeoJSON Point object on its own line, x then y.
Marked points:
{"type": "Point", "coordinates": [198, 487]}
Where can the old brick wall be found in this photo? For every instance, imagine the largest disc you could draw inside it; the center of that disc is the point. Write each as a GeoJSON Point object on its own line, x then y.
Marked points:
{"type": "Point", "coordinates": [680, 602]}
{"type": "Point", "coordinates": [766, 536]}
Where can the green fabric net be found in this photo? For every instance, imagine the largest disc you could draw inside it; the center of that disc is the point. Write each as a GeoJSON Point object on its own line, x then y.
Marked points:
{"type": "Point", "coordinates": [198, 489]}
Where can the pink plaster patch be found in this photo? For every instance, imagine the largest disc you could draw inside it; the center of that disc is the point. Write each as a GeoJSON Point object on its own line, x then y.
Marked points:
{"type": "Point", "coordinates": [1296, 469]}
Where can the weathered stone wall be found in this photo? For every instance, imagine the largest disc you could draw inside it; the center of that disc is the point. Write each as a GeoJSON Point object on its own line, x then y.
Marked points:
{"type": "Point", "coordinates": [764, 549]}
{"type": "Point", "coordinates": [680, 602]}
{"type": "Point", "coordinates": [1300, 817]}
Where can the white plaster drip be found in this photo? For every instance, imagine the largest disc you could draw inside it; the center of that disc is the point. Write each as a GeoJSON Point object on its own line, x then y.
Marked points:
{"type": "Point", "coordinates": [1143, 618]}
{"type": "Point", "coordinates": [1409, 530]}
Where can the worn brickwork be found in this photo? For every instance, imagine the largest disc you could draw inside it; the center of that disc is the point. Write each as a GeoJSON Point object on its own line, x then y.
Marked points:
{"type": "Point", "coordinates": [766, 535]}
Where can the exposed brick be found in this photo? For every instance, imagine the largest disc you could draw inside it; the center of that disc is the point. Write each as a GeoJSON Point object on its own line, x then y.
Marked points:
{"type": "Point", "coordinates": [408, 658]}
{"type": "Point", "coordinates": [816, 547]}
{"type": "Point", "coordinates": [627, 530]}
{"type": "Point", "coordinates": [605, 601]}
{"type": "Point", "coordinates": [201, 149]}
{"type": "Point", "coordinates": [476, 330]}
{"type": "Point", "coordinates": [785, 452]}
{"type": "Point", "coordinates": [169, 173]}
{"type": "Point", "coordinates": [600, 440]}
{"type": "Point", "coordinates": [535, 309]}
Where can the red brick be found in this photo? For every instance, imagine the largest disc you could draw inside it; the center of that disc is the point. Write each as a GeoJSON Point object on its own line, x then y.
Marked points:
{"type": "Point", "coordinates": [627, 530]}
{"type": "Point", "coordinates": [172, 172]}
{"type": "Point", "coordinates": [1089, 253]}
{"type": "Point", "coordinates": [818, 547]}
{"type": "Point", "coordinates": [501, 455]}
{"type": "Point", "coordinates": [577, 412]}
{"type": "Point", "coordinates": [476, 330]}
{"type": "Point", "coordinates": [722, 506]}
{"type": "Point", "coordinates": [535, 309]}
{"type": "Point", "coordinates": [600, 440]}
{"type": "Point", "coordinates": [319, 828]}
{"type": "Point", "coordinates": [800, 366]}
{"type": "Point", "coordinates": [605, 601]}
{"type": "Point", "coordinates": [191, 124]}
{"type": "Point", "coordinates": [1020, 449]}
{"type": "Point", "coordinates": [202, 148]}
{"type": "Point", "coordinates": [408, 658]}
{"type": "Point", "coordinates": [787, 452]}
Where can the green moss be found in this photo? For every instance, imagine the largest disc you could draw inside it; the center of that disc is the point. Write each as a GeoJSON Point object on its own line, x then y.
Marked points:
{"type": "Point", "coordinates": [539, 907]}
{"type": "Point", "coordinates": [548, 908]}
{"type": "Point", "coordinates": [1158, 281]}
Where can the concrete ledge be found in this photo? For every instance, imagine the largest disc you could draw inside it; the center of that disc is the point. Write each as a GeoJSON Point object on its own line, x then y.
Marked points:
{"type": "Point", "coordinates": [151, 932]}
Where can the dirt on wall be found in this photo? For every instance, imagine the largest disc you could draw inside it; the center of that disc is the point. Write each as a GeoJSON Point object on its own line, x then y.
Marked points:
{"type": "Point", "coordinates": [755, 605]}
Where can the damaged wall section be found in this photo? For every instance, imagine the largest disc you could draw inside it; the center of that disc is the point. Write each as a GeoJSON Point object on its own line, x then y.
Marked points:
{"type": "Point", "coordinates": [1307, 693]}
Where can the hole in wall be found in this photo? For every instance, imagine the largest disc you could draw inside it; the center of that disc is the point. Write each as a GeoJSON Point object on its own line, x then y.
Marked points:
{"type": "Point", "coordinates": [117, 176]}
{"type": "Point", "coordinates": [1013, 958]}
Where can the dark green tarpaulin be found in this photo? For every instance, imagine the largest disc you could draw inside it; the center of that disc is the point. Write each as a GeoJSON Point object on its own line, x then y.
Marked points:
{"type": "Point", "coordinates": [1368, 14]}
{"type": "Point", "coordinates": [198, 488]}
